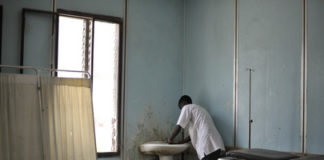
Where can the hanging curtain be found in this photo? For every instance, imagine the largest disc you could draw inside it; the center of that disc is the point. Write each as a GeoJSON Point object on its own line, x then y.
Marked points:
{"type": "Point", "coordinates": [69, 132]}
{"type": "Point", "coordinates": [20, 129]}
{"type": "Point", "coordinates": [67, 119]}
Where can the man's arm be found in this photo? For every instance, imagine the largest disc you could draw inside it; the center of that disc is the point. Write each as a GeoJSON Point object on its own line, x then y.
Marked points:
{"type": "Point", "coordinates": [175, 132]}
{"type": "Point", "coordinates": [186, 140]}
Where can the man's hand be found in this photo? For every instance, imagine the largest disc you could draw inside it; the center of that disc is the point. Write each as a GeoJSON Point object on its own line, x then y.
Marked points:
{"type": "Point", "coordinates": [169, 141]}
{"type": "Point", "coordinates": [175, 132]}
{"type": "Point", "coordinates": [172, 142]}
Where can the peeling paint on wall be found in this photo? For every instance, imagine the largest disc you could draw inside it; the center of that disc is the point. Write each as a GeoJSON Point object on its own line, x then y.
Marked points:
{"type": "Point", "coordinates": [152, 127]}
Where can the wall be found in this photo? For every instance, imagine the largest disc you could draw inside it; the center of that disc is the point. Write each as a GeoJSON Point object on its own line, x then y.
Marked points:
{"type": "Point", "coordinates": [269, 41]}
{"type": "Point", "coordinates": [315, 77]}
{"type": "Point", "coordinates": [208, 55]}
{"type": "Point", "coordinates": [12, 11]}
{"type": "Point", "coordinates": [154, 72]}
{"type": "Point", "coordinates": [101, 7]}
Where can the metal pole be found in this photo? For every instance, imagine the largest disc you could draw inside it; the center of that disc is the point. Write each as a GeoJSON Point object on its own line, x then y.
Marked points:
{"type": "Point", "coordinates": [250, 97]}
{"type": "Point", "coordinates": [303, 127]}
{"type": "Point", "coordinates": [235, 75]}
{"type": "Point", "coordinates": [19, 67]}
{"type": "Point", "coordinates": [123, 95]}
{"type": "Point", "coordinates": [62, 70]}
{"type": "Point", "coordinates": [41, 111]}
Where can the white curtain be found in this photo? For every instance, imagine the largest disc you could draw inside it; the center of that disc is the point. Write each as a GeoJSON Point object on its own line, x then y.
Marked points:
{"type": "Point", "coordinates": [68, 125]}
{"type": "Point", "coordinates": [67, 119]}
{"type": "Point", "coordinates": [19, 118]}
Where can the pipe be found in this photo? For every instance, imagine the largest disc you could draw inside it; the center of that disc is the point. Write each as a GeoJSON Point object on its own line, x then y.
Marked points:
{"type": "Point", "coordinates": [250, 97]}
{"type": "Point", "coordinates": [303, 127]}
{"type": "Point", "coordinates": [235, 75]}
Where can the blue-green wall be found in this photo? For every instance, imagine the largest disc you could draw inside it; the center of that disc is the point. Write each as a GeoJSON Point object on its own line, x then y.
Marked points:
{"type": "Point", "coordinates": [208, 60]}
{"type": "Point", "coordinates": [269, 41]}
{"type": "Point", "coordinates": [12, 11]}
{"type": "Point", "coordinates": [38, 40]}
{"type": "Point", "coordinates": [315, 77]}
{"type": "Point", "coordinates": [103, 7]}
{"type": "Point", "coordinates": [154, 71]}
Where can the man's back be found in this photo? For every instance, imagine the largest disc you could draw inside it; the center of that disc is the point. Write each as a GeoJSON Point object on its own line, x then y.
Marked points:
{"type": "Point", "coordinates": [203, 133]}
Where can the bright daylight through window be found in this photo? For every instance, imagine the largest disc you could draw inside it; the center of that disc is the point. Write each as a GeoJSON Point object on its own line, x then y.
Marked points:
{"type": "Point", "coordinates": [77, 39]}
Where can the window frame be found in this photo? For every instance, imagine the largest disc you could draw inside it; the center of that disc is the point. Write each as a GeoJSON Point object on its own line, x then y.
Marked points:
{"type": "Point", "coordinates": [26, 11]}
{"type": "Point", "coordinates": [95, 17]}
{"type": "Point", "coordinates": [1, 13]}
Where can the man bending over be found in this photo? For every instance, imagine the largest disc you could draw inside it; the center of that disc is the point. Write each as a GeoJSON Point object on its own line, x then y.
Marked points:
{"type": "Point", "coordinates": [202, 132]}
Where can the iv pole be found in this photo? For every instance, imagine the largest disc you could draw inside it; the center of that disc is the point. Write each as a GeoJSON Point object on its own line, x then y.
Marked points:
{"type": "Point", "coordinates": [250, 96]}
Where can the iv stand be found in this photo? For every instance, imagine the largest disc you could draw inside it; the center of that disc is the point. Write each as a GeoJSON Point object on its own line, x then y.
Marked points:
{"type": "Point", "coordinates": [250, 120]}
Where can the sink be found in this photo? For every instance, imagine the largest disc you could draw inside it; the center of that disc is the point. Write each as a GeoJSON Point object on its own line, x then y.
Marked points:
{"type": "Point", "coordinates": [164, 150]}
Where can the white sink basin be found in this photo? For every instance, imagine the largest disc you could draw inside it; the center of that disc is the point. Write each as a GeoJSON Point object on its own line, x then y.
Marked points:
{"type": "Point", "coordinates": [164, 150]}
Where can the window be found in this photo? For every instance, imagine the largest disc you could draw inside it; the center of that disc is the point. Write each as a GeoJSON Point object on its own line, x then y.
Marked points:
{"type": "Point", "coordinates": [93, 44]}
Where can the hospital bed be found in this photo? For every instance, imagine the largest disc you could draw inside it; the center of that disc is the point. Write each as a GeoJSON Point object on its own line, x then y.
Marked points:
{"type": "Point", "coordinates": [264, 154]}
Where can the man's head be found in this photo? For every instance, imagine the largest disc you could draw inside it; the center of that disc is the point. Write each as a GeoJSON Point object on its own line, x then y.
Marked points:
{"type": "Point", "coordinates": [184, 100]}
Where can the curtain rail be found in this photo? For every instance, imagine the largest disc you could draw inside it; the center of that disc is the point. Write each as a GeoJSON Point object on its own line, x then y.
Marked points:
{"type": "Point", "coordinates": [20, 67]}
{"type": "Point", "coordinates": [38, 70]}
{"type": "Point", "coordinates": [63, 70]}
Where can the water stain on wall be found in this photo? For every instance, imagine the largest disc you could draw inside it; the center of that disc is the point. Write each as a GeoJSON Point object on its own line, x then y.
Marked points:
{"type": "Point", "coordinates": [152, 126]}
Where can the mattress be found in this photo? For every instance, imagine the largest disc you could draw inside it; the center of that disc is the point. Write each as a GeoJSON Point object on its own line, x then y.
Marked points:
{"type": "Point", "coordinates": [260, 154]}
{"type": "Point", "coordinates": [310, 158]}
{"type": "Point", "coordinates": [229, 158]}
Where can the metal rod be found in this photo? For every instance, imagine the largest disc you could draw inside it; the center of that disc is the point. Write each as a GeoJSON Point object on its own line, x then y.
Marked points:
{"type": "Point", "coordinates": [55, 55]}
{"type": "Point", "coordinates": [86, 46]}
{"type": "Point", "coordinates": [305, 75]}
{"type": "Point", "coordinates": [22, 38]}
{"type": "Point", "coordinates": [53, 36]}
{"type": "Point", "coordinates": [41, 111]}
{"type": "Point", "coordinates": [235, 74]}
{"type": "Point", "coordinates": [302, 81]}
{"type": "Point", "coordinates": [303, 127]}
{"type": "Point", "coordinates": [92, 46]}
{"type": "Point", "coordinates": [122, 115]}
{"type": "Point", "coordinates": [19, 67]}
{"type": "Point", "coordinates": [63, 70]}
{"type": "Point", "coordinates": [250, 97]}
{"type": "Point", "coordinates": [0, 34]}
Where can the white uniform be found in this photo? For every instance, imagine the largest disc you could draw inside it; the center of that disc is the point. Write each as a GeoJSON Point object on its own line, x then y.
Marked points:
{"type": "Point", "coordinates": [203, 133]}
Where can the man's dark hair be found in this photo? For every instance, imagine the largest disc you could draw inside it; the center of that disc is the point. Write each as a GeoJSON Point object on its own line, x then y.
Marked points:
{"type": "Point", "coordinates": [185, 99]}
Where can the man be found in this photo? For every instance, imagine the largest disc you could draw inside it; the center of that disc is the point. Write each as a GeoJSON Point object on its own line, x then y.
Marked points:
{"type": "Point", "coordinates": [202, 132]}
